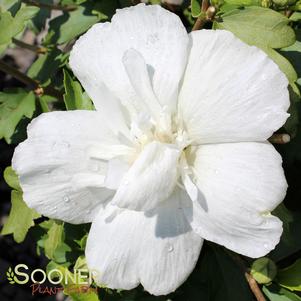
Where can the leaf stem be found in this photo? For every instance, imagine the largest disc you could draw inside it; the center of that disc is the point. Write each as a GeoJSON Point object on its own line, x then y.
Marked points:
{"type": "Point", "coordinates": [34, 48]}
{"type": "Point", "coordinates": [33, 84]}
{"type": "Point", "coordinates": [207, 14]}
{"type": "Point", "coordinates": [65, 8]}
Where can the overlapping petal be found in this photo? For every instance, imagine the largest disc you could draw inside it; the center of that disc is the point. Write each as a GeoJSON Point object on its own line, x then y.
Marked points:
{"type": "Point", "coordinates": [239, 185]}
{"type": "Point", "coordinates": [157, 34]}
{"type": "Point", "coordinates": [157, 249]}
{"type": "Point", "coordinates": [151, 179]}
{"type": "Point", "coordinates": [231, 91]}
{"type": "Point", "coordinates": [58, 174]}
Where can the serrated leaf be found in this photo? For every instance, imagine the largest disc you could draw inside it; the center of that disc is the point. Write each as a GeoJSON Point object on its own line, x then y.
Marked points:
{"type": "Point", "coordinates": [10, 5]}
{"type": "Point", "coordinates": [68, 26]}
{"type": "Point", "coordinates": [11, 178]}
{"type": "Point", "coordinates": [13, 106]}
{"type": "Point", "coordinates": [10, 26]}
{"type": "Point", "coordinates": [46, 66]}
{"type": "Point", "coordinates": [290, 277]}
{"type": "Point", "coordinates": [275, 293]}
{"type": "Point", "coordinates": [74, 98]}
{"type": "Point", "coordinates": [20, 219]}
{"type": "Point", "coordinates": [258, 26]}
{"type": "Point", "coordinates": [54, 239]}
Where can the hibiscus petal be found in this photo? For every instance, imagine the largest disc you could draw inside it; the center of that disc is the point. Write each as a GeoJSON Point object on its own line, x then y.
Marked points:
{"type": "Point", "coordinates": [231, 91]}
{"type": "Point", "coordinates": [58, 176]}
{"type": "Point", "coordinates": [158, 250]}
{"type": "Point", "coordinates": [151, 179]}
{"type": "Point", "coordinates": [155, 32]}
{"type": "Point", "coordinates": [239, 185]}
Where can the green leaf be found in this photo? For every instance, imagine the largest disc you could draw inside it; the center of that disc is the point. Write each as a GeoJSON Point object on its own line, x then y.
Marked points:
{"type": "Point", "coordinates": [291, 124]}
{"type": "Point", "coordinates": [290, 277]}
{"type": "Point", "coordinates": [13, 106]}
{"type": "Point", "coordinates": [293, 53]}
{"type": "Point", "coordinates": [11, 26]}
{"type": "Point", "coordinates": [285, 66]}
{"type": "Point", "coordinates": [10, 5]}
{"type": "Point", "coordinates": [259, 26]}
{"type": "Point", "coordinates": [74, 98]}
{"type": "Point", "coordinates": [263, 270]}
{"type": "Point", "coordinates": [295, 17]}
{"type": "Point", "coordinates": [47, 65]}
{"type": "Point", "coordinates": [196, 8]}
{"type": "Point", "coordinates": [275, 293]}
{"type": "Point", "coordinates": [290, 240]}
{"type": "Point", "coordinates": [11, 178]}
{"type": "Point", "coordinates": [242, 3]}
{"type": "Point", "coordinates": [55, 239]}
{"type": "Point", "coordinates": [81, 263]}
{"type": "Point", "coordinates": [216, 277]}
{"type": "Point", "coordinates": [68, 26]}
{"type": "Point", "coordinates": [20, 218]}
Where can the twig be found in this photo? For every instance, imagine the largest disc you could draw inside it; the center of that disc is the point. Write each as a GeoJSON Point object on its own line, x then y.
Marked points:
{"type": "Point", "coordinates": [207, 14]}
{"type": "Point", "coordinates": [33, 84]}
{"type": "Point", "coordinates": [280, 138]}
{"type": "Point", "coordinates": [34, 48]}
{"type": "Point", "coordinates": [254, 287]}
{"type": "Point", "coordinates": [251, 281]}
{"type": "Point", "coordinates": [288, 13]}
{"type": "Point", "coordinates": [50, 6]}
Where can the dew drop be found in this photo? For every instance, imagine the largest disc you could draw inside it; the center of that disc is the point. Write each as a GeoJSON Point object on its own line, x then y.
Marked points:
{"type": "Point", "coordinates": [66, 199]}
{"type": "Point", "coordinates": [263, 77]}
{"type": "Point", "coordinates": [55, 208]}
{"type": "Point", "coordinates": [88, 211]}
{"type": "Point", "coordinates": [216, 171]}
{"type": "Point", "coordinates": [126, 182]}
{"type": "Point", "coordinates": [170, 248]}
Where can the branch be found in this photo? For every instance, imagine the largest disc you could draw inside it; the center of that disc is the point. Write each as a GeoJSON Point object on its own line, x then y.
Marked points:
{"type": "Point", "coordinates": [207, 14]}
{"type": "Point", "coordinates": [34, 48]}
{"type": "Point", "coordinates": [251, 281]}
{"type": "Point", "coordinates": [33, 84]}
{"type": "Point", "coordinates": [280, 138]}
{"type": "Point", "coordinates": [254, 287]}
{"type": "Point", "coordinates": [65, 8]}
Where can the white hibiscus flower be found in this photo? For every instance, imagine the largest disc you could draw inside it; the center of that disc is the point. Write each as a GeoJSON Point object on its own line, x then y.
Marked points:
{"type": "Point", "coordinates": [176, 151]}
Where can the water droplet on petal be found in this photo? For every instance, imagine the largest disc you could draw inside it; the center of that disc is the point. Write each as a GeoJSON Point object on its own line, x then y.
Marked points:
{"type": "Point", "coordinates": [66, 199]}
{"type": "Point", "coordinates": [216, 171]}
{"type": "Point", "coordinates": [169, 248]}
{"type": "Point", "coordinates": [88, 211]}
{"type": "Point", "coordinates": [55, 208]}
